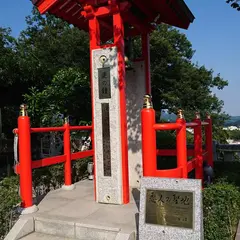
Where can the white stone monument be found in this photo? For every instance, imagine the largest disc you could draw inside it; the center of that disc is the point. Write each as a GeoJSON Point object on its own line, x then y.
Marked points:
{"type": "Point", "coordinates": [171, 209]}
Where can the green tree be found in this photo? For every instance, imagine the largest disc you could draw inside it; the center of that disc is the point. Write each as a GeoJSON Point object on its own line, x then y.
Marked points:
{"type": "Point", "coordinates": [68, 94]}
{"type": "Point", "coordinates": [178, 83]}
{"type": "Point", "coordinates": [234, 134]}
{"type": "Point", "coordinates": [11, 82]}
{"type": "Point", "coordinates": [49, 44]}
{"type": "Point", "coordinates": [7, 58]}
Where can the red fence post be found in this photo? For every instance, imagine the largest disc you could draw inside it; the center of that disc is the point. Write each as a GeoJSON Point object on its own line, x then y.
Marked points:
{"type": "Point", "coordinates": [67, 152]}
{"type": "Point", "coordinates": [149, 150]}
{"type": "Point", "coordinates": [25, 159]}
{"type": "Point", "coordinates": [198, 147]}
{"type": "Point", "coordinates": [209, 141]}
{"type": "Point", "coordinates": [182, 145]}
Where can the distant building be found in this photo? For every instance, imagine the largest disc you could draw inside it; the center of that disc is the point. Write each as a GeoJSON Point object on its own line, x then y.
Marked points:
{"type": "Point", "coordinates": [231, 128]}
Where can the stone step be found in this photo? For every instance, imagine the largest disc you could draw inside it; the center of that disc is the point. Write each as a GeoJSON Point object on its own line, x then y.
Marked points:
{"type": "Point", "coordinates": [89, 230]}
{"type": "Point", "coordinates": [42, 236]}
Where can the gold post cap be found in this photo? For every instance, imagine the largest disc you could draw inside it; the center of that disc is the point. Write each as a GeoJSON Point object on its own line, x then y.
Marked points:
{"type": "Point", "coordinates": [147, 101]}
{"type": "Point", "coordinates": [208, 116]}
{"type": "Point", "coordinates": [197, 115]}
{"type": "Point", "coordinates": [180, 114]}
{"type": "Point", "coordinates": [23, 110]}
{"type": "Point", "coordinates": [66, 119]}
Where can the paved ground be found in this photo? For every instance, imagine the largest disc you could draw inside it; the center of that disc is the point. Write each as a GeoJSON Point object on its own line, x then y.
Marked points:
{"type": "Point", "coordinates": [78, 207]}
{"type": "Point", "coordinates": [238, 232]}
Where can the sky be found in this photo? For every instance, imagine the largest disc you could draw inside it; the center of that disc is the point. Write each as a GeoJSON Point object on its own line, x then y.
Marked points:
{"type": "Point", "coordinates": [214, 35]}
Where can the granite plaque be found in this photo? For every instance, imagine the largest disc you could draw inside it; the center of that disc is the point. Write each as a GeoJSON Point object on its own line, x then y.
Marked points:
{"type": "Point", "coordinates": [104, 84]}
{"type": "Point", "coordinates": [169, 208]}
{"type": "Point", "coordinates": [106, 140]}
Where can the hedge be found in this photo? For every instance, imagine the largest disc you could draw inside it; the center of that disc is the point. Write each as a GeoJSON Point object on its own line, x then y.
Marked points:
{"type": "Point", "coordinates": [221, 200]}
{"type": "Point", "coordinates": [44, 180]}
{"type": "Point", "coordinates": [221, 210]}
{"type": "Point", "coordinates": [9, 198]}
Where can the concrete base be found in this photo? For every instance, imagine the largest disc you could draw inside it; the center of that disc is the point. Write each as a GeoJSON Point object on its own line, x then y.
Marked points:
{"type": "Point", "coordinates": [24, 226]}
{"type": "Point", "coordinates": [90, 177]}
{"type": "Point", "coordinates": [237, 237]}
{"type": "Point", "coordinates": [75, 215]}
{"type": "Point", "coordinates": [28, 210]}
{"type": "Point", "coordinates": [68, 188]}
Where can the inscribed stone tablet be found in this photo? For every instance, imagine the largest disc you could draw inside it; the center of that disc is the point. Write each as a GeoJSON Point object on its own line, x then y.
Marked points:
{"type": "Point", "coordinates": [106, 140]}
{"type": "Point", "coordinates": [104, 85]}
{"type": "Point", "coordinates": [170, 209]}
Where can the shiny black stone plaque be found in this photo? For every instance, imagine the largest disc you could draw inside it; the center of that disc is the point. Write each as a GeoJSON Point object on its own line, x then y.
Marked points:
{"type": "Point", "coordinates": [169, 208]}
{"type": "Point", "coordinates": [106, 140]}
{"type": "Point", "coordinates": [104, 84]}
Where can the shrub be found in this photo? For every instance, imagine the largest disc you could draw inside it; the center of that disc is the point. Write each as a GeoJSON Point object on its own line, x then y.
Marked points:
{"type": "Point", "coordinates": [52, 177]}
{"type": "Point", "coordinates": [229, 171]}
{"type": "Point", "coordinates": [221, 210]}
{"type": "Point", "coordinates": [9, 198]}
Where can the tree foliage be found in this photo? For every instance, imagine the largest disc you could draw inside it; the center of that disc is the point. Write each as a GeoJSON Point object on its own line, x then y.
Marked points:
{"type": "Point", "coordinates": [9, 199]}
{"type": "Point", "coordinates": [51, 55]}
{"type": "Point", "coordinates": [234, 134]}
{"type": "Point", "coordinates": [221, 211]}
{"type": "Point", "coordinates": [68, 93]}
{"type": "Point", "coordinates": [49, 44]}
{"type": "Point", "coordinates": [234, 4]}
{"type": "Point", "coordinates": [176, 81]}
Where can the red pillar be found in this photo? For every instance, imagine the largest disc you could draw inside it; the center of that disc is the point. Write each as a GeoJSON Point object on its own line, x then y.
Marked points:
{"type": "Point", "coordinates": [198, 147]}
{"type": "Point", "coordinates": [94, 36]}
{"type": "Point", "coordinates": [25, 158]}
{"type": "Point", "coordinates": [118, 33]}
{"type": "Point", "coordinates": [209, 141]}
{"type": "Point", "coordinates": [149, 151]}
{"type": "Point", "coordinates": [182, 145]}
{"type": "Point", "coordinates": [67, 153]}
{"type": "Point", "coordinates": [146, 56]}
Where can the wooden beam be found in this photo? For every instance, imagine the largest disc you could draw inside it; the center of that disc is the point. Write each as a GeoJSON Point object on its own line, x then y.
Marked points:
{"type": "Point", "coordinates": [144, 8]}
{"type": "Point", "coordinates": [46, 5]}
{"type": "Point", "coordinates": [141, 26]}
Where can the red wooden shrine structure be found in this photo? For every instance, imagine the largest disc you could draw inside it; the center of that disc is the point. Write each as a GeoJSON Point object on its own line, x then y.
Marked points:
{"type": "Point", "coordinates": [110, 24]}
{"type": "Point", "coordinates": [26, 165]}
{"type": "Point", "coordinates": [184, 166]}
{"type": "Point", "coordinates": [149, 150]}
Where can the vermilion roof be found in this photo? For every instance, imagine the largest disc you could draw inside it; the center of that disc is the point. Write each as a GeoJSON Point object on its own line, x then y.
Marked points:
{"type": "Point", "coordinates": [142, 15]}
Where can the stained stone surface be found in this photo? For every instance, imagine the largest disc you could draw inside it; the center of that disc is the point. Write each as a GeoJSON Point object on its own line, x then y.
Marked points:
{"type": "Point", "coordinates": [109, 188]}
{"type": "Point", "coordinates": [135, 90]}
{"type": "Point", "coordinates": [75, 215]}
{"type": "Point", "coordinates": [152, 231]}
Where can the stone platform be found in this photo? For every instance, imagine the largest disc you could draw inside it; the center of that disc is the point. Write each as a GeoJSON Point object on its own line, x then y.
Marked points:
{"type": "Point", "coordinates": [75, 215]}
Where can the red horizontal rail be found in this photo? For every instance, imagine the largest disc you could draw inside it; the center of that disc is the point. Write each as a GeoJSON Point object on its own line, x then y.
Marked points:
{"type": "Point", "coordinates": [48, 129]}
{"type": "Point", "coordinates": [43, 162]}
{"type": "Point", "coordinates": [167, 126]}
{"type": "Point", "coordinates": [205, 123]}
{"type": "Point", "coordinates": [171, 173]}
{"type": "Point", "coordinates": [172, 152]}
{"type": "Point", "coordinates": [191, 125]}
{"type": "Point", "coordinates": [56, 129]}
{"type": "Point", "coordinates": [83, 154]}
{"type": "Point", "coordinates": [80, 128]}
{"type": "Point", "coordinates": [205, 153]}
{"type": "Point", "coordinates": [55, 160]}
{"type": "Point", "coordinates": [48, 161]}
{"type": "Point", "coordinates": [191, 164]}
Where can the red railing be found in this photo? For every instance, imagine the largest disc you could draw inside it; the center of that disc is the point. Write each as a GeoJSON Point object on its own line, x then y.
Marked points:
{"type": "Point", "coordinates": [25, 165]}
{"type": "Point", "coordinates": [150, 152]}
